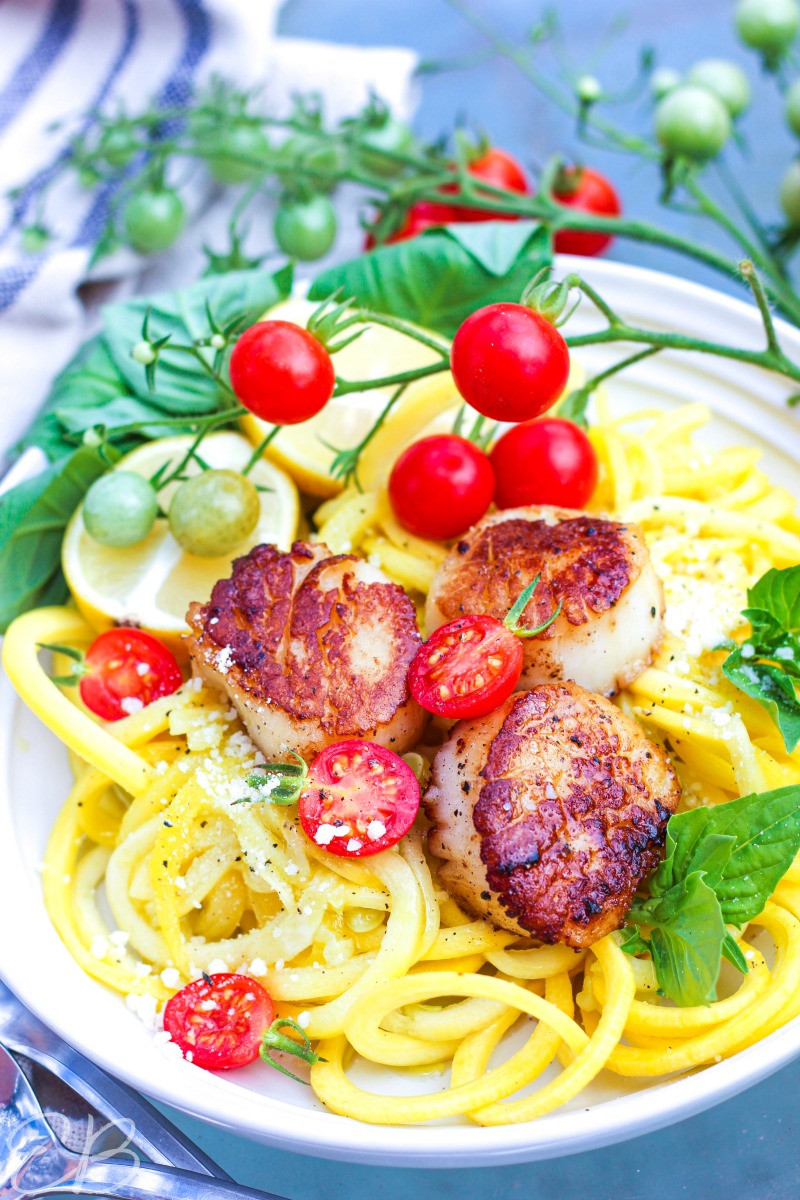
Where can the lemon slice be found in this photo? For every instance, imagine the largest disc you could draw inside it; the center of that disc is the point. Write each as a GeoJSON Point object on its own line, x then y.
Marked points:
{"type": "Point", "coordinates": [153, 583]}
{"type": "Point", "coordinates": [304, 450]}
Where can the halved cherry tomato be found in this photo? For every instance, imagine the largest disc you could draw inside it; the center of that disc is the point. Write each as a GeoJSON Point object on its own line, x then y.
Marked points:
{"type": "Point", "coordinates": [441, 485]}
{"type": "Point", "coordinates": [509, 362]}
{"type": "Point", "coordinates": [281, 373]}
{"type": "Point", "coordinates": [125, 670]}
{"type": "Point", "coordinates": [589, 191]}
{"type": "Point", "coordinates": [219, 1020]}
{"type": "Point", "coordinates": [549, 461]}
{"type": "Point", "coordinates": [360, 800]}
{"type": "Point", "coordinates": [466, 668]}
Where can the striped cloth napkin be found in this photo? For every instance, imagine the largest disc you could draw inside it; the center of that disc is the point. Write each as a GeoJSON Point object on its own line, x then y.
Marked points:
{"type": "Point", "coordinates": [60, 59]}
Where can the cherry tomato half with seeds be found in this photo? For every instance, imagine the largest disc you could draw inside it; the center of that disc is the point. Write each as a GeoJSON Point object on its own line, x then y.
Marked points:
{"type": "Point", "coordinates": [549, 461]}
{"type": "Point", "coordinates": [219, 1020]}
{"type": "Point", "coordinates": [441, 485]}
{"type": "Point", "coordinates": [124, 671]}
{"type": "Point", "coordinates": [281, 373]}
{"type": "Point", "coordinates": [509, 362]}
{"type": "Point", "coordinates": [588, 191]}
{"type": "Point", "coordinates": [466, 668]}
{"type": "Point", "coordinates": [361, 799]}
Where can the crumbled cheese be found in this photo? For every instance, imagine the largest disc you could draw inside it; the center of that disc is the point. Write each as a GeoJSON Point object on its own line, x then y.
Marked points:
{"type": "Point", "coordinates": [785, 652]}
{"type": "Point", "coordinates": [748, 650]}
{"type": "Point", "coordinates": [131, 705]}
{"type": "Point", "coordinates": [99, 946]}
{"type": "Point", "coordinates": [258, 967]}
{"type": "Point", "coordinates": [291, 869]}
{"type": "Point", "coordinates": [279, 965]}
{"type": "Point", "coordinates": [375, 830]}
{"type": "Point", "coordinates": [325, 835]}
{"type": "Point", "coordinates": [180, 883]}
{"type": "Point", "coordinates": [550, 792]}
{"type": "Point", "coordinates": [217, 966]}
{"type": "Point", "coordinates": [142, 970]}
{"type": "Point", "coordinates": [145, 1007]}
{"type": "Point", "coordinates": [162, 1037]}
{"type": "Point", "coordinates": [172, 1051]}
{"type": "Point", "coordinates": [142, 669]}
{"type": "Point", "coordinates": [304, 1019]}
{"type": "Point", "coordinates": [170, 977]}
{"type": "Point", "coordinates": [353, 845]}
{"type": "Point", "coordinates": [224, 660]}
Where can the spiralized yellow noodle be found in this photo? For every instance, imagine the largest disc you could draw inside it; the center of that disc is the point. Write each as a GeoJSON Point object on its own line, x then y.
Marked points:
{"type": "Point", "coordinates": [372, 955]}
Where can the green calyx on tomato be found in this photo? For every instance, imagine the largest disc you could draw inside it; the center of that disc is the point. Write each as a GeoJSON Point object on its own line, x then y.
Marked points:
{"type": "Point", "coordinates": [305, 229]}
{"type": "Point", "coordinates": [153, 219]}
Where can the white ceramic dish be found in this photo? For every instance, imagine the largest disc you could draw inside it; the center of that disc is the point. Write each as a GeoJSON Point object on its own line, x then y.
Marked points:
{"type": "Point", "coordinates": [750, 407]}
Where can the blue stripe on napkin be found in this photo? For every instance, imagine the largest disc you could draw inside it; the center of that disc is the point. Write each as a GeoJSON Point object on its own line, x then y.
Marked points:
{"type": "Point", "coordinates": [34, 68]}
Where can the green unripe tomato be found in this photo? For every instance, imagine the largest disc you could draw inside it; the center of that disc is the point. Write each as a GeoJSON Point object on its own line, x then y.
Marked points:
{"type": "Point", "coordinates": [315, 162]}
{"type": "Point", "coordinates": [118, 146]}
{"type": "Point", "coordinates": [120, 508]}
{"type": "Point", "coordinates": [663, 81]}
{"type": "Point", "coordinates": [153, 219]}
{"type": "Point", "coordinates": [792, 107]}
{"type": "Point", "coordinates": [305, 229]}
{"type": "Point", "coordinates": [727, 82]}
{"type": "Point", "coordinates": [393, 136]}
{"type": "Point", "coordinates": [213, 512]}
{"type": "Point", "coordinates": [790, 195]}
{"type": "Point", "coordinates": [692, 123]}
{"type": "Point", "coordinates": [769, 26]}
{"type": "Point", "coordinates": [235, 155]}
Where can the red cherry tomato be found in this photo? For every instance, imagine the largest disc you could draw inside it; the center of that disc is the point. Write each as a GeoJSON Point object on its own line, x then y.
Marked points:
{"type": "Point", "coordinates": [127, 669]}
{"type": "Point", "coordinates": [591, 192]}
{"type": "Point", "coordinates": [509, 363]}
{"type": "Point", "coordinates": [495, 167]}
{"type": "Point", "coordinates": [440, 486]}
{"type": "Point", "coordinates": [466, 668]}
{"type": "Point", "coordinates": [421, 216]}
{"type": "Point", "coordinates": [362, 799]}
{"type": "Point", "coordinates": [544, 462]}
{"type": "Point", "coordinates": [219, 1023]}
{"type": "Point", "coordinates": [499, 169]}
{"type": "Point", "coordinates": [281, 373]}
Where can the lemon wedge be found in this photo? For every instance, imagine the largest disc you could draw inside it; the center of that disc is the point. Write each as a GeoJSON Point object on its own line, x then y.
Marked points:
{"type": "Point", "coordinates": [153, 583]}
{"type": "Point", "coordinates": [305, 450]}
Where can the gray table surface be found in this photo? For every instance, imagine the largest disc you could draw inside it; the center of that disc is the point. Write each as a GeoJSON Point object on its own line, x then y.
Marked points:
{"type": "Point", "coordinates": [749, 1147]}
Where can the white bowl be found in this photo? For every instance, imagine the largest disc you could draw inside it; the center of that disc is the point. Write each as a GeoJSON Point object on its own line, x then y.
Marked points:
{"type": "Point", "coordinates": [750, 407]}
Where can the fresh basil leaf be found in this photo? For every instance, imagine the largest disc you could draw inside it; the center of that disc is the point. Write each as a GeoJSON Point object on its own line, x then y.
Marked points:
{"type": "Point", "coordinates": [777, 596]}
{"type": "Point", "coordinates": [686, 941]}
{"type": "Point", "coordinates": [632, 942]}
{"type": "Point", "coordinates": [767, 832]}
{"type": "Point", "coordinates": [772, 688]}
{"type": "Point", "coordinates": [182, 386]}
{"type": "Point", "coordinates": [732, 952]}
{"type": "Point", "coordinates": [438, 278]}
{"type": "Point", "coordinates": [692, 846]}
{"type": "Point", "coordinates": [33, 517]}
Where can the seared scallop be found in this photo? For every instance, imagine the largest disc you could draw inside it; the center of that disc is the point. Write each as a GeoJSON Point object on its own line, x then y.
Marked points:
{"type": "Point", "coordinates": [549, 812]}
{"type": "Point", "coordinates": [599, 570]}
{"type": "Point", "coordinates": [311, 648]}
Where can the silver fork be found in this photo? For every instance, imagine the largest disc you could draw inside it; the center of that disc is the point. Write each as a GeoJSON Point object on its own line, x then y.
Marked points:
{"type": "Point", "coordinates": [153, 1134]}
{"type": "Point", "coordinates": [36, 1163]}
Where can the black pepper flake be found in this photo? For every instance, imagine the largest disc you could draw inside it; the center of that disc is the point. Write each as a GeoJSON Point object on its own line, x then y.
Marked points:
{"type": "Point", "coordinates": [653, 612]}
{"type": "Point", "coordinates": [462, 547]}
{"type": "Point", "coordinates": [486, 895]}
{"type": "Point", "coordinates": [168, 824]}
{"type": "Point", "coordinates": [574, 738]}
{"type": "Point", "coordinates": [466, 786]}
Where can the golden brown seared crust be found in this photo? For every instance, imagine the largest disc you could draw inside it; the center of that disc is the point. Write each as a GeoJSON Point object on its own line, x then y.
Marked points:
{"type": "Point", "coordinates": [491, 566]}
{"type": "Point", "coordinates": [302, 632]}
{"type": "Point", "coordinates": [572, 813]}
